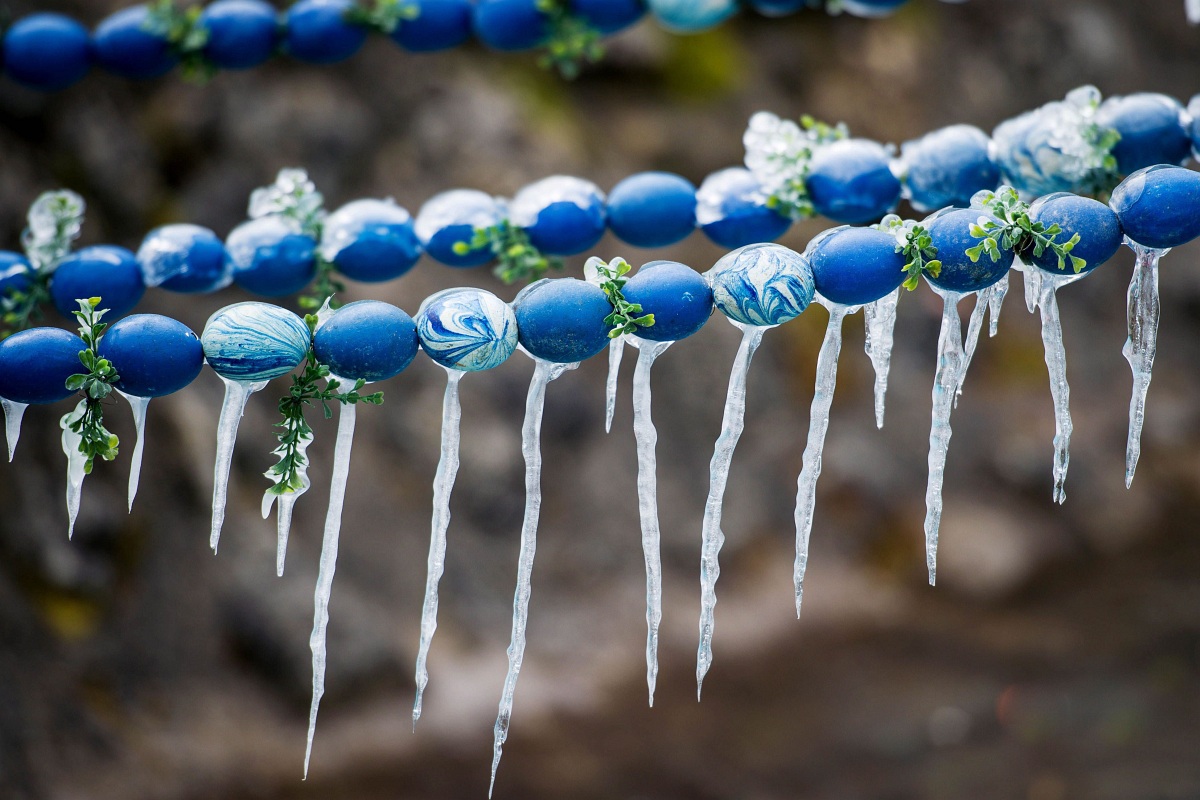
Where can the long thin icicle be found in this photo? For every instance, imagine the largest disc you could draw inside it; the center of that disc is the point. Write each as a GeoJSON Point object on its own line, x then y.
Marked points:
{"type": "Point", "coordinates": [1142, 313]}
{"type": "Point", "coordinates": [880, 323]}
{"type": "Point", "coordinates": [983, 301]}
{"type": "Point", "coordinates": [646, 437]}
{"type": "Point", "coordinates": [712, 537]}
{"type": "Point", "coordinates": [329, 552]}
{"type": "Point", "coordinates": [1033, 283]}
{"type": "Point", "coordinates": [13, 414]}
{"type": "Point", "coordinates": [236, 395]}
{"type": "Point", "coordinates": [616, 351]}
{"type": "Point", "coordinates": [995, 303]}
{"type": "Point", "coordinates": [138, 405]}
{"type": "Point", "coordinates": [76, 461]}
{"type": "Point", "coordinates": [443, 485]}
{"type": "Point", "coordinates": [1056, 365]}
{"type": "Point", "coordinates": [531, 449]}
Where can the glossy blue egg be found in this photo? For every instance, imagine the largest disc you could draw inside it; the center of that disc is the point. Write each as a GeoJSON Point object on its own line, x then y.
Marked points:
{"type": "Point", "coordinates": [153, 355]}
{"type": "Point", "coordinates": [318, 32]}
{"type": "Point", "coordinates": [35, 365]}
{"type": "Point", "coordinates": [951, 233]}
{"type": "Point", "coordinates": [855, 266]}
{"type": "Point", "coordinates": [123, 46]}
{"type": "Point", "coordinates": [467, 329]}
{"type": "Point", "coordinates": [452, 217]}
{"type": "Point", "coordinates": [691, 16]}
{"type": "Point", "coordinates": [241, 33]}
{"type": "Point", "coordinates": [652, 209]}
{"type": "Point", "coordinates": [732, 210]}
{"type": "Point", "coordinates": [679, 298]}
{"type": "Point", "coordinates": [251, 342]}
{"type": "Point", "coordinates": [104, 271]}
{"type": "Point", "coordinates": [270, 257]}
{"type": "Point", "coordinates": [439, 25]}
{"type": "Point", "coordinates": [1152, 128]}
{"type": "Point", "coordinates": [366, 340]}
{"type": "Point", "coordinates": [184, 258]}
{"type": "Point", "coordinates": [562, 319]}
{"type": "Point", "coordinates": [947, 167]}
{"type": "Point", "coordinates": [608, 16]}
{"type": "Point", "coordinates": [562, 215]}
{"type": "Point", "coordinates": [16, 274]}
{"type": "Point", "coordinates": [47, 51]}
{"type": "Point", "coordinates": [370, 240]}
{"type": "Point", "coordinates": [1159, 206]}
{"type": "Point", "coordinates": [1099, 230]}
{"type": "Point", "coordinates": [761, 284]}
{"type": "Point", "coordinates": [851, 181]}
{"type": "Point", "coordinates": [510, 25]}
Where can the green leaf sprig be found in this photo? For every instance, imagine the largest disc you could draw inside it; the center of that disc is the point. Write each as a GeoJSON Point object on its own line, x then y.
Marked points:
{"type": "Point", "coordinates": [1103, 180]}
{"type": "Point", "coordinates": [1012, 229]}
{"type": "Point", "coordinates": [914, 241]}
{"type": "Point", "coordinates": [384, 16]}
{"type": "Point", "coordinates": [185, 35]}
{"type": "Point", "coordinates": [793, 200]}
{"type": "Point", "coordinates": [55, 219]}
{"type": "Point", "coordinates": [324, 287]}
{"type": "Point", "coordinates": [610, 277]}
{"type": "Point", "coordinates": [95, 385]}
{"type": "Point", "coordinates": [572, 41]}
{"type": "Point", "coordinates": [516, 257]}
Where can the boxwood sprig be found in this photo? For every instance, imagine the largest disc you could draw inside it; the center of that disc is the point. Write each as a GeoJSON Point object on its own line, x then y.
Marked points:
{"type": "Point", "coordinates": [384, 16]}
{"type": "Point", "coordinates": [610, 277]}
{"type": "Point", "coordinates": [516, 257]}
{"type": "Point", "coordinates": [914, 241]}
{"type": "Point", "coordinates": [572, 41]}
{"type": "Point", "coordinates": [185, 35]}
{"type": "Point", "coordinates": [1012, 229]}
{"type": "Point", "coordinates": [95, 385]}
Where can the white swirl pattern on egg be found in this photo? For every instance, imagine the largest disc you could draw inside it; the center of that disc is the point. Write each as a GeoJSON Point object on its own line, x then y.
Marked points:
{"type": "Point", "coordinates": [250, 342]}
{"type": "Point", "coordinates": [467, 329]}
{"type": "Point", "coordinates": [762, 284]}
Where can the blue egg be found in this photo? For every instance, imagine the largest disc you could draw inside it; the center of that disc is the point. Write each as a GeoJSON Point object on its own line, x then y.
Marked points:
{"type": "Point", "coordinates": [510, 25]}
{"type": "Point", "coordinates": [452, 217]}
{"type": "Point", "coordinates": [679, 298]}
{"type": "Point", "coordinates": [153, 355]}
{"type": "Point", "coordinates": [47, 51]}
{"type": "Point", "coordinates": [108, 272]}
{"type": "Point", "coordinates": [608, 16]}
{"type": "Point", "coordinates": [270, 257]}
{"type": "Point", "coordinates": [762, 284]}
{"type": "Point", "coordinates": [1099, 230]}
{"type": "Point", "coordinates": [851, 181]}
{"type": "Point", "coordinates": [855, 266]}
{"type": "Point", "coordinates": [318, 32]}
{"type": "Point", "coordinates": [691, 16]}
{"type": "Point", "coordinates": [562, 215]}
{"type": "Point", "coordinates": [652, 209]}
{"type": "Point", "coordinates": [35, 365]}
{"type": "Point", "coordinates": [16, 274]}
{"type": "Point", "coordinates": [439, 25]}
{"type": "Point", "coordinates": [366, 340]}
{"type": "Point", "coordinates": [467, 329]}
{"type": "Point", "coordinates": [123, 46]}
{"type": "Point", "coordinates": [950, 230]}
{"type": "Point", "coordinates": [252, 342]}
{"type": "Point", "coordinates": [871, 8]}
{"type": "Point", "coordinates": [184, 258]}
{"type": "Point", "coordinates": [1159, 206]}
{"type": "Point", "coordinates": [778, 8]}
{"type": "Point", "coordinates": [370, 241]}
{"type": "Point", "coordinates": [947, 167]}
{"type": "Point", "coordinates": [562, 319]}
{"type": "Point", "coordinates": [732, 210]}
{"type": "Point", "coordinates": [1153, 130]}
{"type": "Point", "coordinates": [241, 33]}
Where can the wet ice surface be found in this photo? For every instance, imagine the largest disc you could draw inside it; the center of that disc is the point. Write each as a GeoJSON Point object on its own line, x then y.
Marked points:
{"type": "Point", "coordinates": [1142, 313]}
{"type": "Point", "coordinates": [879, 320]}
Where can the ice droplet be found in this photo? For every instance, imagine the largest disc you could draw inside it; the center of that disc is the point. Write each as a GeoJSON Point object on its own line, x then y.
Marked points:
{"type": "Point", "coordinates": [880, 324]}
{"type": "Point", "coordinates": [1142, 313]}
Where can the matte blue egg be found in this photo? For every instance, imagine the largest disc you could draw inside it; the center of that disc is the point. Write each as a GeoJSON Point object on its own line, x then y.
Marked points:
{"type": "Point", "coordinates": [1099, 230]}
{"type": "Point", "coordinates": [241, 33]}
{"type": "Point", "coordinates": [153, 355]}
{"type": "Point", "coordinates": [732, 210]}
{"type": "Point", "coordinates": [562, 319]}
{"type": "Point", "coordinates": [270, 258]}
{"type": "Point", "coordinates": [678, 297]}
{"type": "Point", "coordinates": [778, 8]}
{"type": "Point", "coordinates": [47, 51]}
{"type": "Point", "coordinates": [317, 31]}
{"type": "Point", "coordinates": [467, 329]}
{"type": "Point", "coordinates": [104, 271]}
{"type": "Point", "coordinates": [16, 274]}
{"type": "Point", "coordinates": [439, 25]}
{"type": "Point", "coordinates": [562, 215]}
{"type": "Point", "coordinates": [1152, 130]}
{"type": "Point", "coordinates": [856, 266]}
{"type": "Point", "coordinates": [184, 258]}
{"type": "Point", "coordinates": [652, 209]}
{"type": "Point", "coordinates": [370, 240]}
{"type": "Point", "coordinates": [35, 365]}
{"type": "Point", "coordinates": [947, 167]}
{"type": "Point", "coordinates": [452, 217]}
{"type": "Point", "coordinates": [510, 25]}
{"type": "Point", "coordinates": [608, 16]}
{"type": "Point", "coordinates": [761, 284]}
{"type": "Point", "coordinates": [1159, 206]}
{"type": "Point", "coordinates": [251, 342]}
{"type": "Point", "coordinates": [366, 340]}
{"type": "Point", "coordinates": [951, 233]}
{"type": "Point", "coordinates": [123, 46]}
{"type": "Point", "coordinates": [851, 181]}
{"type": "Point", "coordinates": [871, 8]}
{"type": "Point", "coordinates": [691, 16]}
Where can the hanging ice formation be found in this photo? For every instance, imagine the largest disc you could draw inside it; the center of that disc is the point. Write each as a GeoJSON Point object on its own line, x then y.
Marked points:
{"type": "Point", "coordinates": [879, 321]}
{"type": "Point", "coordinates": [1143, 310]}
{"type": "Point", "coordinates": [616, 351]}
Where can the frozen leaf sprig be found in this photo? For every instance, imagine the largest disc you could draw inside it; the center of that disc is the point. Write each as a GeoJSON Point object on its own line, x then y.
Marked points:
{"type": "Point", "coordinates": [95, 385]}
{"type": "Point", "coordinates": [293, 197]}
{"type": "Point", "coordinates": [516, 257]}
{"type": "Point", "coordinates": [610, 277]}
{"type": "Point", "coordinates": [55, 219]}
{"type": "Point", "coordinates": [914, 241]}
{"type": "Point", "coordinates": [572, 41]}
{"type": "Point", "coordinates": [779, 152]}
{"type": "Point", "coordinates": [384, 16]}
{"type": "Point", "coordinates": [1012, 229]}
{"type": "Point", "coordinates": [185, 35]}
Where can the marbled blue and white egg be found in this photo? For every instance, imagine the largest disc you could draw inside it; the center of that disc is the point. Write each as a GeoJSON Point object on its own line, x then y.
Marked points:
{"type": "Point", "coordinates": [250, 342]}
{"type": "Point", "coordinates": [691, 16]}
{"type": "Point", "coordinates": [467, 329]}
{"type": "Point", "coordinates": [762, 284]}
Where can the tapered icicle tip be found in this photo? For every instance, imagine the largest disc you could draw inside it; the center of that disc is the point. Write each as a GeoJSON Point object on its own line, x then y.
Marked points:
{"type": "Point", "coordinates": [13, 414]}
{"type": "Point", "coordinates": [138, 405]}
{"type": "Point", "coordinates": [232, 407]}
{"type": "Point", "coordinates": [1143, 310]}
{"type": "Point", "coordinates": [616, 351]}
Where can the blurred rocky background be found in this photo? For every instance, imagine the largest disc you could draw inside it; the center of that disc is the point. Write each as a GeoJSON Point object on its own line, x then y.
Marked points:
{"type": "Point", "coordinates": [1058, 658]}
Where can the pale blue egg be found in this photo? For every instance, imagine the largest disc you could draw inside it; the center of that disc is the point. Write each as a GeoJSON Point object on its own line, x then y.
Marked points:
{"type": "Point", "coordinates": [251, 342]}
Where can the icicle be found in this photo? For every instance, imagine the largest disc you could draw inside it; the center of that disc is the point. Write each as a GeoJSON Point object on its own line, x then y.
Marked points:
{"type": "Point", "coordinates": [880, 324]}
{"type": "Point", "coordinates": [443, 485]}
{"type": "Point", "coordinates": [1193, 11]}
{"type": "Point", "coordinates": [818, 426]}
{"type": "Point", "coordinates": [1033, 283]}
{"type": "Point", "coordinates": [287, 502]}
{"type": "Point", "coordinates": [1056, 365]}
{"type": "Point", "coordinates": [983, 301]}
{"type": "Point", "coordinates": [616, 350]}
{"type": "Point", "coordinates": [711, 536]}
{"type": "Point", "coordinates": [13, 414]}
{"type": "Point", "coordinates": [138, 406]}
{"type": "Point", "coordinates": [1142, 317]}
{"type": "Point", "coordinates": [950, 367]}
{"type": "Point", "coordinates": [996, 302]}
{"type": "Point", "coordinates": [531, 449]}
{"type": "Point", "coordinates": [236, 395]}
{"type": "Point", "coordinates": [329, 551]}
{"type": "Point", "coordinates": [76, 461]}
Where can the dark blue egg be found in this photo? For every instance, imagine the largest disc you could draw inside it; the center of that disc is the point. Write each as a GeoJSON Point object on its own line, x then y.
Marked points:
{"type": "Point", "coordinates": [439, 24]}
{"type": "Point", "coordinates": [104, 271]}
{"type": "Point", "coordinates": [1159, 206]}
{"type": "Point", "coordinates": [270, 258]}
{"type": "Point", "coordinates": [950, 230]}
{"type": "Point", "coordinates": [947, 167]}
{"type": "Point", "coordinates": [184, 258]}
{"type": "Point", "coordinates": [562, 215]}
{"type": "Point", "coordinates": [851, 181]}
{"type": "Point", "coordinates": [370, 240]}
{"type": "Point", "coordinates": [153, 355]}
{"type": "Point", "coordinates": [652, 209]}
{"type": "Point", "coordinates": [1152, 130]}
{"type": "Point", "coordinates": [608, 16]}
{"type": "Point", "coordinates": [678, 297]}
{"type": "Point", "coordinates": [452, 217]}
{"type": "Point", "coordinates": [123, 46]}
{"type": "Point", "coordinates": [35, 365]}
{"type": "Point", "coordinates": [871, 8]}
{"type": "Point", "coordinates": [778, 8]}
{"type": "Point", "coordinates": [16, 274]}
{"type": "Point", "coordinates": [732, 210]}
{"type": "Point", "coordinates": [47, 51]}
{"type": "Point", "coordinates": [317, 31]}
{"type": "Point", "coordinates": [562, 319]}
{"type": "Point", "coordinates": [241, 33]}
{"type": "Point", "coordinates": [856, 266]}
{"type": "Point", "coordinates": [511, 25]}
{"type": "Point", "coordinates": [1099, 230]}
{"type": "Point", "coordinates": [366, 340]}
